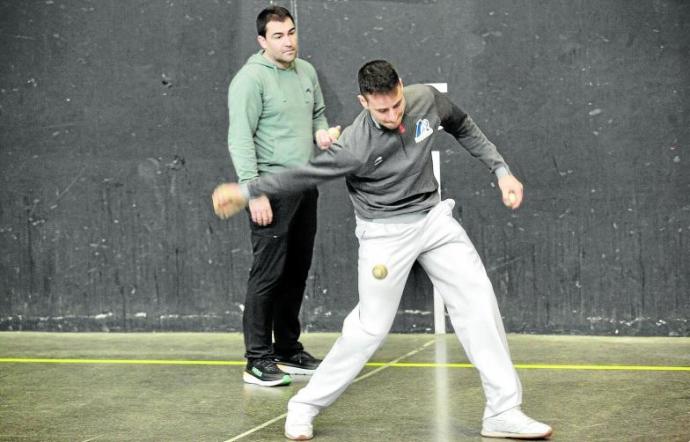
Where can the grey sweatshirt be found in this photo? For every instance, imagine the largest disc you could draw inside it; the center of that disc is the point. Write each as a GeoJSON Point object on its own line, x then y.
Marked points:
{"type": "Point", "coordinates": [388, 173]}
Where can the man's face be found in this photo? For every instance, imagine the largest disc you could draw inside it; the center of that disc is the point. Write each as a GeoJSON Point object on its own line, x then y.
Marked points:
{"type": "Point", "coordinates": [280, 43]}
{"type": "Point", "coordinates": [387, 109]}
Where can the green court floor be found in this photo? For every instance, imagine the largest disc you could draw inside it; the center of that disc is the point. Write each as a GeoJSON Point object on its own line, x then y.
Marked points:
{"type": "Point", "coordinates": [188, 387]}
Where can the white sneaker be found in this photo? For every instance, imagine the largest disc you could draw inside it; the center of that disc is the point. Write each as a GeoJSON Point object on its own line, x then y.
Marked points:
{"type": "Point", "coordinates": [298, 424]}
{"type": "Point", "coordinates": [516, 425]}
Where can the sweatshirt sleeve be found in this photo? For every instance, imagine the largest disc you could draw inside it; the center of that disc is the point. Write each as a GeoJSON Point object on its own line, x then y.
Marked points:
{"type": "Point", "coordinates": [244, 110]}
{"type": "Point", "coordinates": [328, 165]}
{"type": "Point", "coordinates": [319, 115]}
{"type": "Point", "coordinates": [461, 126]}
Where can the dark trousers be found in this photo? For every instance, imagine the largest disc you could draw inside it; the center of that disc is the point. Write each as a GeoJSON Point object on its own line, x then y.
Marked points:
{"type": "Point", "coordinates": [282, 257]}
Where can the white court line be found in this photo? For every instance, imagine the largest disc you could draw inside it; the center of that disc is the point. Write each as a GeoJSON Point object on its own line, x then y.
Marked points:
{"type": "Point", "coordinates": [255, 429]}
{"type": "Point", "coordinates": [371, 373]}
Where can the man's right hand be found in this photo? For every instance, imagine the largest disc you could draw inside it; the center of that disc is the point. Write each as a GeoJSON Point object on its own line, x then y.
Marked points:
{"type": "Point", "coordinates": [260, 210]}
{"type": "Point", "coordinates": [324, 138]}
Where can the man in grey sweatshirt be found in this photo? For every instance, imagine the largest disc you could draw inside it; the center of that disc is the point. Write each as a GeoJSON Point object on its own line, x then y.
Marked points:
{"type": "Point", "coordinates": [385, 157]}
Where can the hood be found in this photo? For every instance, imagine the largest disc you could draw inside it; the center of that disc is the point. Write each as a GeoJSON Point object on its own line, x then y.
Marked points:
{"type": "Point", "coordinates": [259, 59]}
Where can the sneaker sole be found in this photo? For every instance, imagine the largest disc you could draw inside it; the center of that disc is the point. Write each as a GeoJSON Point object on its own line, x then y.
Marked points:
{"type": "Point", "coordinates": [516, 435]}
{"type": "Point", "coordinates": [300, 437]}
{"type": "Point", "coordinates": [249, 379]}
{"type": "Point", "coordinates": [289, 369]}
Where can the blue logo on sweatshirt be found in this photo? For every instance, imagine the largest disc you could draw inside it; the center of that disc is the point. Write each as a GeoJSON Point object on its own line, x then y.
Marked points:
{"type": "Point", "coordinates": [422, 130]}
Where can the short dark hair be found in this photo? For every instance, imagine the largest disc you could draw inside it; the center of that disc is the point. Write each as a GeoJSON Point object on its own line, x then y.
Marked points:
{"type": "Point", "coordinates": [377, 77]}
{"type": "Point", "coordinates": [272, 13]}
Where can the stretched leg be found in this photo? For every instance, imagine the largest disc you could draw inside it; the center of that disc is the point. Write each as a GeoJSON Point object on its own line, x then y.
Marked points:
{"type": "Point", "coordinates": [367, 325]}
{"type": "Point", "coordinates": [457, 272]}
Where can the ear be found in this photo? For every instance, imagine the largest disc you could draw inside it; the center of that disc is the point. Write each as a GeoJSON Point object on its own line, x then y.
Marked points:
{"type": "Point", "coordinates": [262, 41]}
{"type": "Point", "coordinates": [363, 101]}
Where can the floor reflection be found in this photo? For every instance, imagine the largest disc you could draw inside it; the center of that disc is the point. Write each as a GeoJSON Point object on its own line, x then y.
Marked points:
{"type": "Point", "coordinates": [442, 421]}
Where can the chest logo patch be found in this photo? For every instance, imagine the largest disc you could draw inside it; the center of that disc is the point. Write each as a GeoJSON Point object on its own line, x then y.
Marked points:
{"type": "Point", "coordinates": [422, 130]}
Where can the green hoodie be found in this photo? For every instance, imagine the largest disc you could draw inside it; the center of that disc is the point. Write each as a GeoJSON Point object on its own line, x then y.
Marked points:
{"type": "Point", "coordinates": [274, 113]}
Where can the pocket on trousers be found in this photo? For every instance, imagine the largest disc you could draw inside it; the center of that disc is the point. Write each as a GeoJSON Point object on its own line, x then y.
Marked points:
{"type": "Point", "coordinates": [448, 206]}
{"type": "Point", "coordinates": [360, 230]}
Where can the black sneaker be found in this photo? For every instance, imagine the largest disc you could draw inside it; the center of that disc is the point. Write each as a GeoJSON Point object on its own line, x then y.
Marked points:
{"type": "Point", "coordinates": [299, 363]}
{"type": "Point", "coordinates": [266, 373]}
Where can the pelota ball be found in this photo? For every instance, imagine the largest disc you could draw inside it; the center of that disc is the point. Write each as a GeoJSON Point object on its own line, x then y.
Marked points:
{"type": "Point", "coordinates": [379, 271]}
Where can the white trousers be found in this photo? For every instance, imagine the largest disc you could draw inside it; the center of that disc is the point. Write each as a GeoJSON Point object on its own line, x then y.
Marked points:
{"type": "Point", "coordinates": [447, 255]}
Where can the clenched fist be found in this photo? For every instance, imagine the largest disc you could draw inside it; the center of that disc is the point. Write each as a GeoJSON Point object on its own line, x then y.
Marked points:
{"type": "Point", "coordinates": [228, 200]}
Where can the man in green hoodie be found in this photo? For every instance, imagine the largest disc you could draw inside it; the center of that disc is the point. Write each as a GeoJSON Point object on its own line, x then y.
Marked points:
{"type": "Point", "coordinates": [276, 112]}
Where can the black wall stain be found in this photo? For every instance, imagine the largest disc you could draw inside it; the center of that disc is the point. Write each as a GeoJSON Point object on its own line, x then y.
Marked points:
{"type": "Point", "coordinates": [113, 134]}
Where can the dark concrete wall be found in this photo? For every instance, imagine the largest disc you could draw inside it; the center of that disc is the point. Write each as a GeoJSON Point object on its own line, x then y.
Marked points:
{"type": "Point", "coordinates": [112, 135]}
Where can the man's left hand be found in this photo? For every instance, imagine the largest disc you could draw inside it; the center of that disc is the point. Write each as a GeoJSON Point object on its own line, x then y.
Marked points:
{"type": "Point", "coordinates": [511, 191]}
